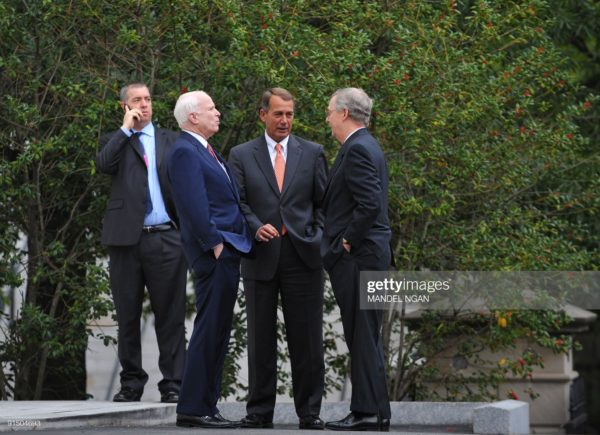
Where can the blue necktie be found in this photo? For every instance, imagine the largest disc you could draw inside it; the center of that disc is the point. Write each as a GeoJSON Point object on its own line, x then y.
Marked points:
{"type": "Point", "coordinates": [135, 139]}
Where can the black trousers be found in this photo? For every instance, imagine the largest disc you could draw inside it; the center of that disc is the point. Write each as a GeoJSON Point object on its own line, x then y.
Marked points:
{"type": "Point", "coordinates": [301, 292]}
{"type": "Point", "coordinates": [157, 263]}
{"type": "Point", "coordinates": [362, 330]}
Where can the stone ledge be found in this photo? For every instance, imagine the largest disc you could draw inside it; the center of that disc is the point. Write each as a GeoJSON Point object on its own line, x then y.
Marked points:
{"type": "Point", "coordinates": [29, 415]}
{"type": "Point", "coordinates": [506, 417]}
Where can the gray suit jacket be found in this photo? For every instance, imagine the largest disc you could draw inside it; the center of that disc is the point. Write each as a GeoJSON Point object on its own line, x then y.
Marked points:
{"type": "Point", "coordinates": [298, 206]}
{"type": "Point", "coordinates": [118, 157]}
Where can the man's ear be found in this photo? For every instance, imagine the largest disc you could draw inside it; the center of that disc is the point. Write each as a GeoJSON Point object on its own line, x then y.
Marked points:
{"type": "Point", "coordinates": [262, 115]}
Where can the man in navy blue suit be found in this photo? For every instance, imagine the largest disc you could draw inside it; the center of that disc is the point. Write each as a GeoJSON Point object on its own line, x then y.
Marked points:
{"type": "Point", "coordinates": [357, 237]}
{"type": "Point", "coordinates": [214, 233]}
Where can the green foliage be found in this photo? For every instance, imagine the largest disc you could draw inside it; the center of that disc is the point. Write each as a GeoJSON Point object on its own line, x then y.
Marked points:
{"type": "Point", "coordinates": [485, 133]}
{"type": "Point", "coordinates": [491, 173]}
{"type": "Point", "coordinates": [467, 356]}
{"type": "Point", "coordinates": [49, 197]}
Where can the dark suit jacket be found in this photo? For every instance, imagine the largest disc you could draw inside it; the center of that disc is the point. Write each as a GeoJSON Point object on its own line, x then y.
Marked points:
{"type": "Point", "coordinates": [355, 202]}
{"type": "Point", "coordinates": [207, 202]}
{"type": "Point", "coordinates": [298, 206]}
{"type": "Point", "coordinates": [124, 217]}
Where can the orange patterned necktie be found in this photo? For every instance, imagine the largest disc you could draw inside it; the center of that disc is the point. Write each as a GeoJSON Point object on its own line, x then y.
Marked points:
{"type": "Point", "coordinates": [279, 166]}
{"type": "Point", "coordinates": [279, 173]}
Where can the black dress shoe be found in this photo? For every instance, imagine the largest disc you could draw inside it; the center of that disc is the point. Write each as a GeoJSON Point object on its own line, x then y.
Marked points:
{"type": "Point", "coordinates": [219, 417]}
{"type": "Point", "coordinates": [360, 422]}
{"type": "Point", "coordinates": [169, 397]}
{"type": "Point", "coordinates": [255, 421]}
{"type": "Point", "coordinates": [207, 421]}
{"type": "Point", "coordinates": [127, 394]}
{"type": "Point", "coordinates": [384, 425]}
{"type": "Point", "coordinates": [311, 423]}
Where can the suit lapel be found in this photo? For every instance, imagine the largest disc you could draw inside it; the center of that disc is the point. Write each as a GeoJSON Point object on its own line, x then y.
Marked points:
{"type": "Point", "coordinates": [336, 166]}
{"type": "Point", "coordinates": [159, 146]}
{"type": "Point", "coordinates": [294, 154]}
{"type": "Point", "coordinates": [263, 159]}
{"type": "Point", "coordinates": [232, 185]}
{"type": "Point", "coordinates": [204, 154]}
{"type": "Point", "coordinates": [136, 144]}
{"type": "Point", "coordinates": [340, 157]}
{"type": "Point", "coordinates": [203, 151]}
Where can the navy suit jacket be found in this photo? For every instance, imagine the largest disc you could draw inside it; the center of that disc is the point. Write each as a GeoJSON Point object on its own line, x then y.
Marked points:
{"type": "Point", "coordinates": [355, 203]}
{"type": "Point", "coordinates": [207, 200]}
{"type": "Point", "coordinates": [298, 206]}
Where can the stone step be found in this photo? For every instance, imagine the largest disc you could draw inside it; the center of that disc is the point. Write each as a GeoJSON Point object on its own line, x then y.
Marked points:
{"type": "Point", "coordinates": [505, 417]}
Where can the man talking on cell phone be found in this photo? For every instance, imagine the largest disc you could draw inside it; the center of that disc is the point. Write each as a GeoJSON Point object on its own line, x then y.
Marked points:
{"type": "Point", "coordinates": [141, 232]}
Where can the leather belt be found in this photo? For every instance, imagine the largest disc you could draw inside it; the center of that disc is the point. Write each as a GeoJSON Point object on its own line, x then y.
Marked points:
{"type": "Point", "coordinates": [157, 228]}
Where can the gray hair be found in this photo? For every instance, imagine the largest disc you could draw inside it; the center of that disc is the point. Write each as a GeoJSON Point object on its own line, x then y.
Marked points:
{"type": "Point", "coordinates": [356, 101]}
{"type": "Point", "coordinates": [186, 103]}
{"type": "Point", "coordinates": [125, 89]}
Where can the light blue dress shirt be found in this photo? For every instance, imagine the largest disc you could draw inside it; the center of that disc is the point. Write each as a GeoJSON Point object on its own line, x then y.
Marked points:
{"type": "Point", "coordinates": [159, 214]}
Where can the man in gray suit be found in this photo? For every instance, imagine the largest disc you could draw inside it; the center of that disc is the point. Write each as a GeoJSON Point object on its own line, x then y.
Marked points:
{"type": "Point", "coordinates": [281, 180]}
{"type": "Point", "coordinates": [144, 245]}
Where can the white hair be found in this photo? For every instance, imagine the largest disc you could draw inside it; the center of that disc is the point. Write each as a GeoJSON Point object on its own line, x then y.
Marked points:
{"type": "Point", "coordinates": [356, 101]}
{"type": "Point", "coordinates": [186, 103]}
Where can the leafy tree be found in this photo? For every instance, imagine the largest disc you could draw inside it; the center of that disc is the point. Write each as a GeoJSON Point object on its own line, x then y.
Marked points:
{"type": "Point", "coordinates": [48, 135]}
{"type": "Point", "coordinates": [479, 122]}
{"type": "Point", "coordinates": [577, 31]}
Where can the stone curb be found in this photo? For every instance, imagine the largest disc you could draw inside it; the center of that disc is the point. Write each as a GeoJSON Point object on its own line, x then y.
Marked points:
{"type": "Point", "coordinates": [505, 417]}
{"type": "Point", "coordinates": [29, 415]}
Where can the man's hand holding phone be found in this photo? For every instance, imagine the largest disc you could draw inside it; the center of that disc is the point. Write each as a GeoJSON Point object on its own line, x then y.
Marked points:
{"type": "Point", "coordinates": [131, 117]}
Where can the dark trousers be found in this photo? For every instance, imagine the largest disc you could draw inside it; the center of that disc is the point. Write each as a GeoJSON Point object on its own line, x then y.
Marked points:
{"type": "Point", "coordinates": [301, 291]}
{"type": "Point", "coordinates": [157, 263]}
{"type": "Point", "coordinates": [362, 330]}
{"type": "Point", "coordinates": [216, 285]}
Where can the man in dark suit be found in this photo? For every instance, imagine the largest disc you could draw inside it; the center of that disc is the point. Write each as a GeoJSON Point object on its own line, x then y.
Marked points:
{"type": "Point", "coordinates": [144, 245]}
{"type": "Point", "coordinates": [214, 234]}
{"type": "Point", "coordinates": [281, 178]}
{"type": "Point", "coordinates": [356, 238]}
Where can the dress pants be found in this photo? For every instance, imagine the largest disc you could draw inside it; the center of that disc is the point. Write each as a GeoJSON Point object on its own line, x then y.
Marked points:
{"type": "Point", "coordinates": [157, 263]}
{"type": "Point", "coordinates": [301, 291]}
{"type": "Point", "coordinates": [362, 329]}
{"type": "Point", "coordinates": [216, 286]}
